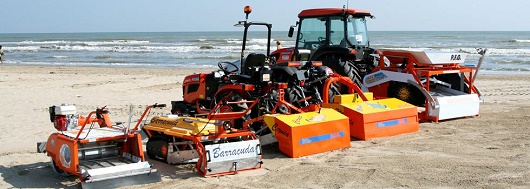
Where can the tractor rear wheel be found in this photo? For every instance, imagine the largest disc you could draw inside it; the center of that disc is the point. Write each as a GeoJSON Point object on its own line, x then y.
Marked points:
{"type": "Point", "coordinates": [343, 67]}
{"type": "Point", "coordinates": [294, 95]}
{"type": "Point", "coordinates": [241, 107]}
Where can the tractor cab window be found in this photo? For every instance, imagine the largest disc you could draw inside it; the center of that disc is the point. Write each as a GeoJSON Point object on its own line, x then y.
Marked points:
{"type": "Point", "coordinates": [356, 27]}
{"type": "Point", "coordinates": [312, 33]}
{"type": "Point", "coordinates": [336, 32]}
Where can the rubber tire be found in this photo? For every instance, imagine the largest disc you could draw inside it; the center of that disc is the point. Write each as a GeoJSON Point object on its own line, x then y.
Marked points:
{"type": "Point", "coordinates": [57, 170]}
{"type": "Point", "coordinates": [332, 92]}
{"type": "Point", "coordinates": [293, 95]}
{"type": "Point", "coordinates": [151, 154]}
{"type": "Point", "coordinates": [180, 108]}
{"type": "Point", "coordinates": [234, 97]}
{"type": "Point", "coordinates": [343, 68]}
{"type": "Point", "coordinates": [415, 96]}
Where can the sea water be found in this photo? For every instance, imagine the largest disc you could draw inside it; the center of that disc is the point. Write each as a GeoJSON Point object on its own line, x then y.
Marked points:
{"type": "Point", "coordinates": [508, 51]}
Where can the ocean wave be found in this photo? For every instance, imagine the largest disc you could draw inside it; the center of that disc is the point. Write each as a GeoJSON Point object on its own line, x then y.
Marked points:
{"type": "Point", "coordinates": [103, 57]}
{"type": "Point", "coordinates": [508, 69]}
{"type": "Point", "coordinates": [512, 62]}
{"type": "Point", "coordinates": [61, 57]}
{"type": "Point", "coordinates": [81, 43]}
{"type": "Point", "coordinates": [519, 41]}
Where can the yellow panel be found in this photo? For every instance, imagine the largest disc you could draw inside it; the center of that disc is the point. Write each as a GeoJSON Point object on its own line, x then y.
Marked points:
{"type": "Point", "coordinates": [376, 106]}
{"type": "Point", "coordinates": [351, 98]}
{"type": "Point", "coordinates": [181, 125]}
{"type": "Point", "coordinates": [301, 119]}
{"type": "Point", "coordinates": [269, 121]}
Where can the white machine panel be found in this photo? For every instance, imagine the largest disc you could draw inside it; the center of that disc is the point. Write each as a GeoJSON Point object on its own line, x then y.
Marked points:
{"type": "Point", "coordinates": [456, 106]}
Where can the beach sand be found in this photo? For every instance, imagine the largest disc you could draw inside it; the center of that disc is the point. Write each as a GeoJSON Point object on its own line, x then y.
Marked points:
{"type": "Point", "coordinates": [489, 151]}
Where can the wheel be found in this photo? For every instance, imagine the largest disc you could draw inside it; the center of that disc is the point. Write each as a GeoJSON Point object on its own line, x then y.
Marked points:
{"type": "Point", "coordinates": [295, 95]}
{"type": "Point", "coordinates": [225, 65]}
{"type": "Point", "coordinates": [240, 107]}
{"type": "Point", "coordinates": [332, 92]}
{"type": "Point", "coordinates": [58, 170]}
{"type": "Point", "coordinates": [180, 108]}
{"type": "Point", "coordinates": [407, 93]}
{"type": "Point", "coordinates": [157, 148]}
{"type": "Point", "coordinates": [343, 67]}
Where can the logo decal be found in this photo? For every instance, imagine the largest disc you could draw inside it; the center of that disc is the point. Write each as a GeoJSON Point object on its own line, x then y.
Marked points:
{"type": "Point", "coordinates": [391, 123]}
{"type": "Point", "coordinates": [455, 57]}
{"type": "Point", "coordinates": [319, 117]}
{"type": "Point", "coordinates": [323, 137]}
{"type": "Point", "coordinates": [374, 78]}
{"type": "Point", "coordinates": [222, 153]}
{"type": "Point", "coordinates": [65, 156]}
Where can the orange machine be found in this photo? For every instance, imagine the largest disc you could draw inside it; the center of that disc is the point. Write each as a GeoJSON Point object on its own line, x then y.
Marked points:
{"type": "Point", "coordinates": [101, 156]}
{"type": "Point", "coordinates": [371, 118]}
{"type": "Point", "coordinates": [309, 133]}
{"type": "Point", "coordinates": [435, 81]}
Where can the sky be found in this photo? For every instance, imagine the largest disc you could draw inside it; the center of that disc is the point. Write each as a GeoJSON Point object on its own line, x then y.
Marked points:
{"type": "Point", "coordinates": [72, 16]}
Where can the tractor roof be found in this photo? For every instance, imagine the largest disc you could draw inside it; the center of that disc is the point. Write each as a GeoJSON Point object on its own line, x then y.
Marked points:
{"type": "Point", "coordinates": [332, 11]}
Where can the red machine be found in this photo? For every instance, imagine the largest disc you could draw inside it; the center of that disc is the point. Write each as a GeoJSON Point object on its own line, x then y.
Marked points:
{"type": "Point", "coordinates": [102, 155]}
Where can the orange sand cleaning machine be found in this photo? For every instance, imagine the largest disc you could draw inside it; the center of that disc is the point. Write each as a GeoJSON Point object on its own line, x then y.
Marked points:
{"type": "Point", "coordinates": [212, 143]}
{"type": "Point", "coordinates": [102, 155]}
{"type": "Point", "coordinates": [433, 80]}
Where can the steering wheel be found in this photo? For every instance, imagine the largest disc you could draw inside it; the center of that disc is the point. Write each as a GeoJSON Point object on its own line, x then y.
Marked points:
{"type": "Point", "coordinates": [224, 67]}
{"type": "Point", "coordinates": [300, 36]}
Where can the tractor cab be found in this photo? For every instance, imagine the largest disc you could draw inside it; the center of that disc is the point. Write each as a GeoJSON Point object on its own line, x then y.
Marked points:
{"type": "Point", "coordinates": [336, 36]}
{"type": "Point", "coordinates": [327, 30]}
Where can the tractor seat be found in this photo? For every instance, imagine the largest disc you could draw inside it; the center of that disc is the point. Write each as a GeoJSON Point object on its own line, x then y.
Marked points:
{"type": "Point", "coordinates": [253, 60]}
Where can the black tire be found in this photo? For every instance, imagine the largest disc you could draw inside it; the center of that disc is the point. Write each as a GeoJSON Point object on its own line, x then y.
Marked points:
{"type": "Point", "coordinates": [293, 95]}
{"type": "Point", "coordinates": [179, 108]}
{"type": "Point", "coordinates": [57, 170]}
{"type": "Point", "coordinates": [407, 93]}
{"type": "Point", "coordinates": [156, 148]}
{"type": "Point", "coordinates": [332, 92]}
{"type": "Point", "coordinates": [234, 97]}
{"type": "Point", "coordinates": [343, 67]}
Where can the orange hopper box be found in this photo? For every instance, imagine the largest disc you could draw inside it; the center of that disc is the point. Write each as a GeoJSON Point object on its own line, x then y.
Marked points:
{"type": "Point", "coordinates": [311, 132]}
{"type": "Point", "coordinates": [378, 118]}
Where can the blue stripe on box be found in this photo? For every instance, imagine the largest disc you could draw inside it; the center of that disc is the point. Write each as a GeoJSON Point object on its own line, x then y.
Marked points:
{"type": "Point", "coordinates": [391, 123]}
{"type": "Point", "coordinates": [323, 137]}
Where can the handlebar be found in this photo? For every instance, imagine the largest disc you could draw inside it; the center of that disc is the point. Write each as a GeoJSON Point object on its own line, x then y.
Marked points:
{"type": "Point", "coordinates": [159, 105]}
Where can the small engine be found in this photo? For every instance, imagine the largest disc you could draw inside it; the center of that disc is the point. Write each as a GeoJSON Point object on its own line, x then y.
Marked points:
{"type": "Point", "coordinates": [63, 117]}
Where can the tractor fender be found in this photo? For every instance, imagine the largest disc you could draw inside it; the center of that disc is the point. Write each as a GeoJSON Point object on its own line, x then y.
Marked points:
{"type": "Point", "coordinates": [235, 88]}
{"type": "Point", "coordinates": [290, 71]}
{"type": "Point", "coordinates": [322, 52]}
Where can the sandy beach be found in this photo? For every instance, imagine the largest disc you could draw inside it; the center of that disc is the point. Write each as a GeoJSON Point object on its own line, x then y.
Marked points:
{"type": "Point", "coordinates": [489, 151]}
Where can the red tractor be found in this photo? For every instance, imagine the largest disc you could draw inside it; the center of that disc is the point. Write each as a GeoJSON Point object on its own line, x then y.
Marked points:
{"type": "Point", "coordinates": [255, 77]}
{"type": "Point", "coordinates": [337, 37]}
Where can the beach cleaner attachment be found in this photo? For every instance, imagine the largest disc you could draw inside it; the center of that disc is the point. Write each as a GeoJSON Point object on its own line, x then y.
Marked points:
{"type": "Point", "coordinates": [102, 155]}
{"type": "Point", "coordinates": [432, 80]}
